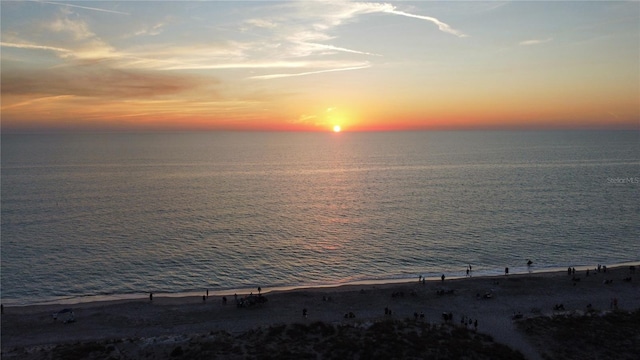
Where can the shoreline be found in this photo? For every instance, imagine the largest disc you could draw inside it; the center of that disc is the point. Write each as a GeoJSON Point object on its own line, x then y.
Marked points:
{"type": "Point", "coordinates": [106, 298]}
{"type": "Point", "coordinates": [530, 295]}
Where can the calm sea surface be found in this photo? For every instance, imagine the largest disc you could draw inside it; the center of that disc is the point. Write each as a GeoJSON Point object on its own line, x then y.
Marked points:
{"type": "Point", "coordinates": [117, 214]}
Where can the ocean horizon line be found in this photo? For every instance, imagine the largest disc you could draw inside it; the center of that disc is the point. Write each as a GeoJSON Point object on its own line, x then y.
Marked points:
{"type": "Point", "coordinates": [343, 131]}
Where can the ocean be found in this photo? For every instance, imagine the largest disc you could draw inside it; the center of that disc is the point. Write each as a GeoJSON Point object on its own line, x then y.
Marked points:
{"type": "Point", "coordinates": [86, 216]}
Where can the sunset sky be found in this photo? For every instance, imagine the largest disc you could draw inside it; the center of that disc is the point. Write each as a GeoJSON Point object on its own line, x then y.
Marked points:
{"type": "Point", "coordinates": [311, 65]}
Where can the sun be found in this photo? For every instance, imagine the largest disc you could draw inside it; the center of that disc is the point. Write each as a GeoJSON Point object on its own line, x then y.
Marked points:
{"type": "Point", "coordinates": [336, 128]}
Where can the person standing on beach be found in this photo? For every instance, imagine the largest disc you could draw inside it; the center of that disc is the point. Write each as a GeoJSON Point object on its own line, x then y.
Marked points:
{"type": "Point", "coordinates": [150, 296]}
{"type": "Point", "coordinates": [442, 277]}
{"type": "Point", "coordinates": [506, 271]}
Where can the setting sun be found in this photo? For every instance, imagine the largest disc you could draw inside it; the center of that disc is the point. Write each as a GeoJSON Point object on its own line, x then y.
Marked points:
{"type": "Point", "coordinates": [336, 128]}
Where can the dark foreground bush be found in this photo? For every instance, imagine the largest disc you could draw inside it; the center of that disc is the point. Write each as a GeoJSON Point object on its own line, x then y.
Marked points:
{"type": "Point", "coordinates": [388, 339]}
{"type": "Point", "coordinates": [615, 335]}
{"type": "Point", "coordinates": [79, 351]}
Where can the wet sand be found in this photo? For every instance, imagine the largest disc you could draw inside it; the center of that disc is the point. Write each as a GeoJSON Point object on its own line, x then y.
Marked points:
{"type": "Point", "coordinates": [527, 295]}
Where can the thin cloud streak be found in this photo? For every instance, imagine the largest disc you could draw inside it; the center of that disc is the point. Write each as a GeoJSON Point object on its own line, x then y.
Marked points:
{"type": "Point", "coordinates": [35, 47]}
{"type": "Point", "coordinates": [278, 76]}
{"type": "Point", "coordinates": [248, 65]}
{"type": "Point", "coordinates": [32, 101]}
{"type": "Point", "coordinates": [534, 42]}
{"type": "Point", "coordinates": [84, 7]}
{"type": "Point", "coordinates": [259, 65]}
{"type": "Point", "coordinates": [336, 48]}
{"type": "Point", "coordinates": [441, 26]}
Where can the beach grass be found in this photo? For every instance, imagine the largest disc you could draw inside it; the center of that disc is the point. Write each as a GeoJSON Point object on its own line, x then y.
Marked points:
{"type": "Point", "coordinates": [594, 335]}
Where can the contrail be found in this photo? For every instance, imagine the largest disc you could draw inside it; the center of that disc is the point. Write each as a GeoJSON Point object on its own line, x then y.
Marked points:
{"type": "Point", "coordinates": [277, 76]}
{"type": "Point", "coordinates": [336, 48]}
{"type": "Point", "coordinates": [442, 26]}
{"type": "Point", "coordinates": [35, 47]}
{"type": "Point", "coordinates": [84, 7]}
{"type": "Point", "coordinates": [535, 42]}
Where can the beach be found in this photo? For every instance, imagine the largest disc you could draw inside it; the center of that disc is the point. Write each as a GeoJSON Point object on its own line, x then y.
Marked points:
{"type": "Point", "coordinates": [494, 303]}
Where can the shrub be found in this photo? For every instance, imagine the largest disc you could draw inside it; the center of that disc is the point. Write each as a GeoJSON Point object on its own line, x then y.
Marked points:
{"type": "Point", "coordinates": [177, 351]}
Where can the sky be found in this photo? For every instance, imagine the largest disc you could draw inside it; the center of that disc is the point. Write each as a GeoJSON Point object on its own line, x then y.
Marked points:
{"type": "Point", "coordinates": [311, 65]}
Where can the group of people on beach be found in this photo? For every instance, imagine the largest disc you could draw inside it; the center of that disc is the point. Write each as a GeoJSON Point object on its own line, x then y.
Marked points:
{"type": "Point", "coordinates": [469, 272]}
{"type": "Point", "coordinates": [600, 268]}
{"type": "Point", "coordinates": [240, 302]}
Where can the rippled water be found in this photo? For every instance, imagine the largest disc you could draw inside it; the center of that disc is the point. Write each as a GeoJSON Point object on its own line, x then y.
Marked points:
{"type": "Point", "coordinates": [88, 214]}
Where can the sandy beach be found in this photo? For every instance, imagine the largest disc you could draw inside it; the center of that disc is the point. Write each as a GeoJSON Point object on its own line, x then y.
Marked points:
{"type": "Point", "coordinates": [497, 303]}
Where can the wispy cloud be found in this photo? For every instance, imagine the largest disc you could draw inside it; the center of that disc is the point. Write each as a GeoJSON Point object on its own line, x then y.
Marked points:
{"type": "Point", "coordinates": [150, 30]}
{"type": "Point", "coordinates": [353, 9]}
{"type": "Point", "coordinates": [441, 25]}
{"type": "Point", "coordinates": [80, 42]}
{"type": "Point", "coordinates": [84, 7]}
{"type": "Point", "coordinates": [78, 28]}
{"type": "Point", "coordinates": [309, 28]}
{"type": "Point", "coordinates": [191, 60]}
{"type": "Point", "coordinates": [326, 47]}
{"type": "Point", "coordinates": [304, 118]}
{"type": "Point", "coordinates": [238, 65]}
{"type": "Point", "coordinates": [36, 100]}
{"type": "Point", "coordinates": [35, 47]}
{"type": "Point", "coordinates": [261, 23]}
{"type": "Point", "coordinates": [534, 42]}
{"type": "Point", "coordinates": [277, 76]}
